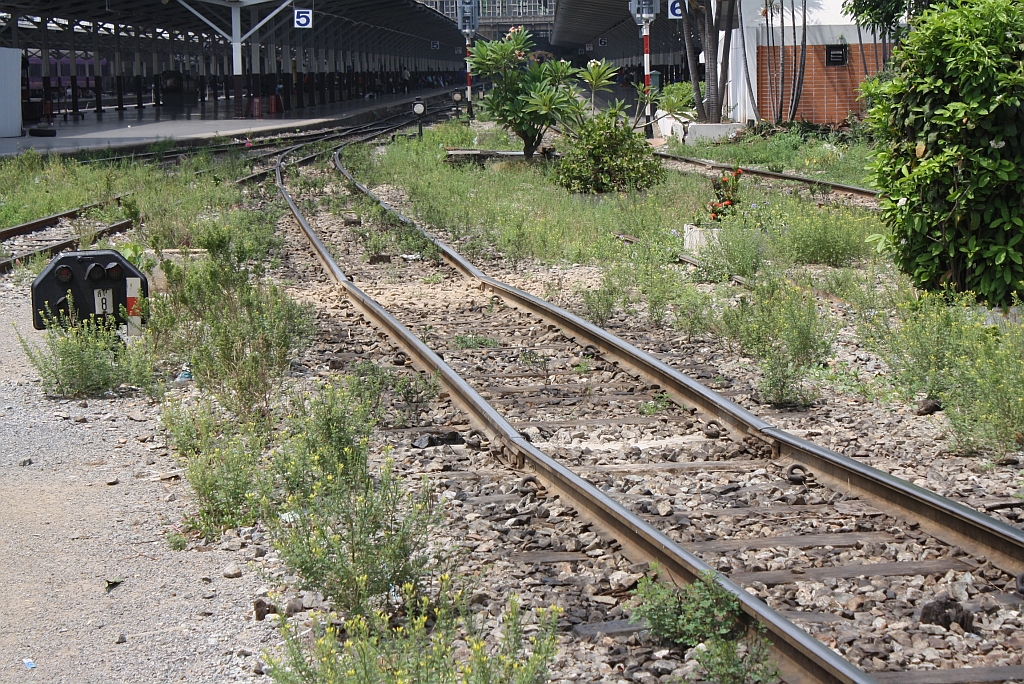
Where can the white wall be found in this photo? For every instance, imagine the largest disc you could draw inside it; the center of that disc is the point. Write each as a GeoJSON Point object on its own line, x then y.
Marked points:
{"type": "Point", "coordinates": [10, 93]}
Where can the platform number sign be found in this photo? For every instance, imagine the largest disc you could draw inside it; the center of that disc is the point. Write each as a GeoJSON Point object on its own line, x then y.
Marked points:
{"type": "Point", "coordinates": [675, 9]}
{"type": "Point", "coordinates": [435, 45]}
{"type": "Point", "coordinates": [303, 18]}
{"type": "Point", "coordinates": [603, 42]}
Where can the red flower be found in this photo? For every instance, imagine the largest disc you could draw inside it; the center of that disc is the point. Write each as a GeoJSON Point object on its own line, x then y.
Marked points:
{"type": "Point", "coordinates": [727, 203]}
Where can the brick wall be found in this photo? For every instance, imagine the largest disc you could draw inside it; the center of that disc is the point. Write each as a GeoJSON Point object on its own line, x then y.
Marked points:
{"type": "Point", "coordinates": [829, 92]}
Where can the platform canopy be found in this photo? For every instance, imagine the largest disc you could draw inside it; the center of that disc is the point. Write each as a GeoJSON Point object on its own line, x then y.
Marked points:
{"type": "Point", "coordinates": [382, 28]}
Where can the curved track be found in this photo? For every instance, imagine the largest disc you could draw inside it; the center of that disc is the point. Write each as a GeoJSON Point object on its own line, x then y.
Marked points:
{"type": "Point", "coordinates": [839, 486]}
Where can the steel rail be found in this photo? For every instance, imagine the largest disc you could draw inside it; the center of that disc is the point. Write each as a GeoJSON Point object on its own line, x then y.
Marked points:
{"type": "Point", "coordinates": [841, 187]}
{"type": "Point", "coordinates": [50, 221]}
{"type": "Point", "coordinates": [802, 658]}
{"type": "Point", "coordinates": [945, 519]}
{"type": "Point", "coordinates": [119, 227]}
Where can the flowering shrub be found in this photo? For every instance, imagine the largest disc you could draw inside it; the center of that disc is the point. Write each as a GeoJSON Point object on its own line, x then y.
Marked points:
{"type": "Point", "coordinates": [727, 192]}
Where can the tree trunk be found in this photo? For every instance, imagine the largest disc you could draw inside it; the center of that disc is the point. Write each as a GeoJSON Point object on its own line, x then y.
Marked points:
{"type": "Point", "coordinates": [792, 82]}
{"type": "Point", "coordinates": [863, 57]}
{"type": "Point", "coordinates": [798, 90]}
{"type": "Point", "coordinates": [723, 78]}
{"type": "Point", "coordinates": [711, 58]}
{"type": "Point", "coordinates": [530, 145]}
{"type": "Point", "coordinates": [772, 73]}
{"type": "Point", "coordinates": [746, 65]}
{"type": "Point", "coordinates": [692, 65]}
{"type": "Point", "coordinates": [782, 60]}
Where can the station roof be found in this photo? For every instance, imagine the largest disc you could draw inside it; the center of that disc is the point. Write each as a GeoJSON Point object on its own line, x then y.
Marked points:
{"type": "Point", "coordinates": [579, 22]}
{"type": "Point", "coordinates": [398, 17]}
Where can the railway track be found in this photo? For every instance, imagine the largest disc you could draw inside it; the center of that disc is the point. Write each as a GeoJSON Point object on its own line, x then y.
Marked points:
{"type": "Point", "coordinates": [836, 187]}
{"type": "Point", "coordinates": [53, 234]}
{"type": "Point", "coordinates": [712, 486]}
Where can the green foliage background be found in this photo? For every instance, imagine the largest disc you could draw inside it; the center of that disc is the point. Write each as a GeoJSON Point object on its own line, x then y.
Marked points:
{"type": "Point", "coordinates": [951, 154]}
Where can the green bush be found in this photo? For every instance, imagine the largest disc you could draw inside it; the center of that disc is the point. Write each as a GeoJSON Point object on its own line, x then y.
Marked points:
{"type": "Point", "coordinates": [230, 485]}
{"type": "Point", "coordinates": [527, 97]}
{"type": "Point", "coordinates": [781, 325]}
{"type": "Point", "coordinates": [238, 334]}
{"type": "Point", "coordinates": [694, 312]}
{"type": "Point", "coordinates": [87, 357]}
{"type": "Point", "coordinates": [607, 155]}
{"type": "Point", "coordinates": [951, 156]}
{"type": "Point", "coordinates": [945, 348]}
{"type": "Point", "coordinates": [688, 614]}
{"type": "Point", "coordinates": [744, 661]}
{"type": "Point", "coordinates": [223, 463]}
{"type": "Point", "coordinates": [357, 540]}
{"type": "Point", "coordinates": [420, 651]}
{"type": "Point", "coordinates": [330, 431]}
{"type": "Point", "coordinates": [704, 616]}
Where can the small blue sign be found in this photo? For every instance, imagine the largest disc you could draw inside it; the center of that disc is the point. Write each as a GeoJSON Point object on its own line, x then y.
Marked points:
{"type": "Point", "coordinates": [675, 9]}
{"type": "Point", "coordinates": [303, 18]}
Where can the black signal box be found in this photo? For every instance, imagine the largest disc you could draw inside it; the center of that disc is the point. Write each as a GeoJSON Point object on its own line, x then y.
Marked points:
{"type": "Point", "coordinates": [100, 282]}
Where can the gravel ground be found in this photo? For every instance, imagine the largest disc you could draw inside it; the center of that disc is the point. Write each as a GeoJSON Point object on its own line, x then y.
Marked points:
{"type": "Point", "coordinates": [84, 562]}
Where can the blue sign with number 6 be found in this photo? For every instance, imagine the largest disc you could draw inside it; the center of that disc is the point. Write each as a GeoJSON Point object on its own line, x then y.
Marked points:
{"type": "Point", "coordinates": [303, 18]}
{"type": "Point", "coordinates": [675, 10]}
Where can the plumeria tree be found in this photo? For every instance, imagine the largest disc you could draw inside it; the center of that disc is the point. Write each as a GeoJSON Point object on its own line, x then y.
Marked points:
{"type": "Point", "coordinates": [528, 98]}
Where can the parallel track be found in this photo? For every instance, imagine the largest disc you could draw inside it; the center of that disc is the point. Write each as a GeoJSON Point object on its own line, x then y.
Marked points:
{"type": "Point", "coordinates": [802, 657]}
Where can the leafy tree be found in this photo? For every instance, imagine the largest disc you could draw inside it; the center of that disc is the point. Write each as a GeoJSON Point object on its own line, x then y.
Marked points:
{"type": "Point", "coordinates": [951, 155]}
{"type": "Point", "coordinates": [885, 15]}
{"type": "Point", "coordinates": [528, 97]}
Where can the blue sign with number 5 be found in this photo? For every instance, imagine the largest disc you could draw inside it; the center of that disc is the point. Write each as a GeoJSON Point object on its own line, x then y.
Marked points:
{"type": "Point", "coordinates": [675, 9]}
{"type": "Point", "coordinates": [303, 18]}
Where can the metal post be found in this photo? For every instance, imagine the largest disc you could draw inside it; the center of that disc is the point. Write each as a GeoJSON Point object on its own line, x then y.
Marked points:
{"type": "Point", "coordinates": [648, 128]}
{"type": "Point", "coordinates": [236, 59]}
{"type": "Point", "coordinates": [138, 68]}
{"type": "Point", "coordinates": [97, 68]}
{"type": "Point", "coordinates": [45, 53]}
{"type": "Point", "coordinates": [118, 71]}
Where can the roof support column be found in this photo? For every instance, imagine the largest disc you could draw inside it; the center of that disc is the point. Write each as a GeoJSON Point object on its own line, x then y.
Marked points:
{"type": "Point", "coordinates": [45, 54]}
{"type": "Point", "coordinates": [118, 71]}
{"type": "Point", "coordinates": [138, 67]}
{"type": "Point", "coordinates": [236, 59]}
{"type": "Point", "coordinates": [73, 68]}
{"type": "Point", "coordinates": [97, 68]}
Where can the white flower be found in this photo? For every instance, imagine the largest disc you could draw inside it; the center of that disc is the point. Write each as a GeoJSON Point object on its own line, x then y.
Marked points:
{"type": "Point", "coordinates": [593, 63]}
{"type": "Point", "coordinates": [902, 202]}
{"type": "Point", "coordinates": [997, 145]}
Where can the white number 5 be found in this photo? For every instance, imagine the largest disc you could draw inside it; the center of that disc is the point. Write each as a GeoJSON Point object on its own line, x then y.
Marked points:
{"type": "Point", "coordinates": [303, 18]}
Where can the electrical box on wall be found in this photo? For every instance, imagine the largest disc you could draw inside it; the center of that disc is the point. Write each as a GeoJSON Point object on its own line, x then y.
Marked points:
{"type": "Point", "coordinates": [837, 55]}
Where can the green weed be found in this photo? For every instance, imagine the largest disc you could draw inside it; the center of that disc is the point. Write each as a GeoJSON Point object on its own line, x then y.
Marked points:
{"type": "Point", "coordinates": [660, 403]}
{"type": "Point", "coordinates": [471, 341]}
{"type": "Point", "coordinates": [81, 358]}
{"type": "Point", "coordinates": [421, 650]}
{"type": "Point", "coordinates": [781, 325]}
{"type": "Point", "coordinates": [704, 616]}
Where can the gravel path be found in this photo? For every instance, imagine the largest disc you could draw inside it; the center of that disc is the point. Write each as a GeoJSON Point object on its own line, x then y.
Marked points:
{"type": "Point", "coordinates": [67, 538]}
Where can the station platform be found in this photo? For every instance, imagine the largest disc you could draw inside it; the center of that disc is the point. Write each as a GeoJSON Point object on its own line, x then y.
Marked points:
{"type": "Point", "coordinates": [138, 128]}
